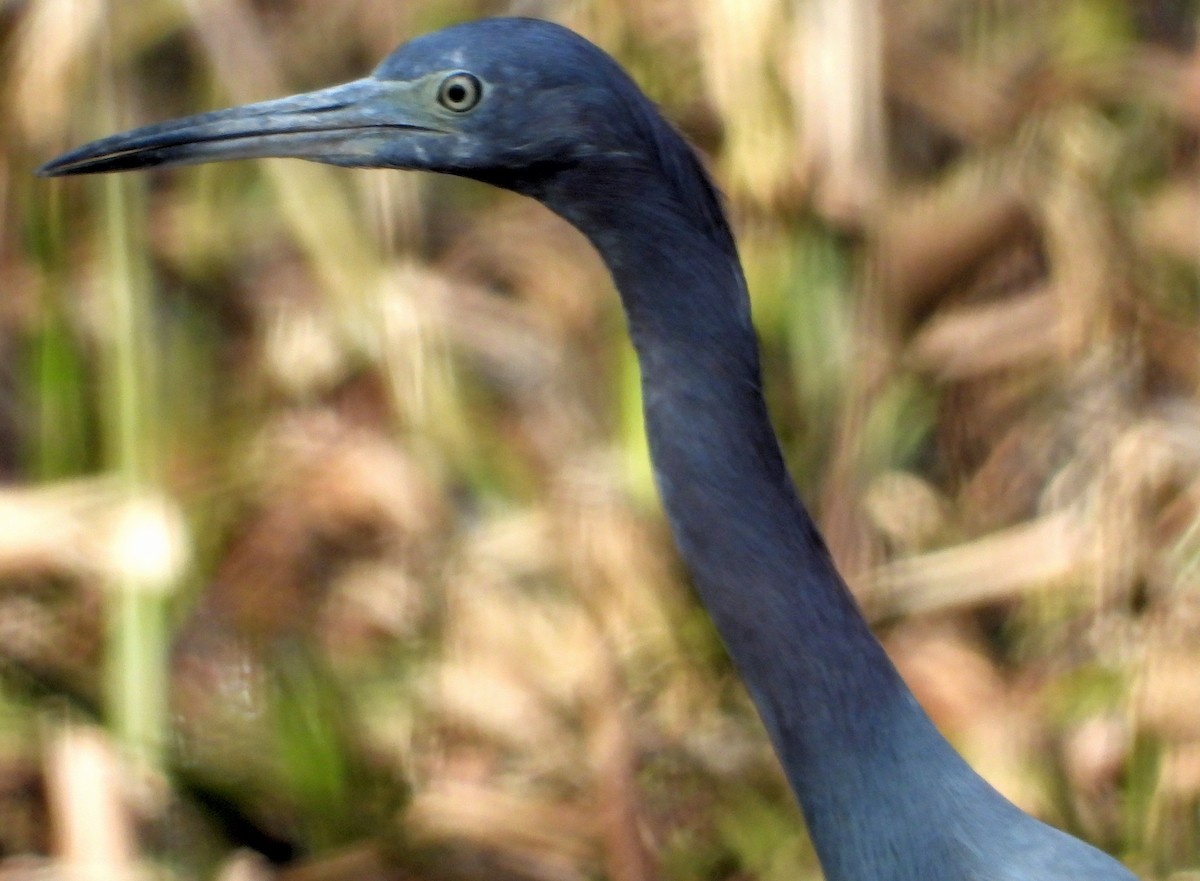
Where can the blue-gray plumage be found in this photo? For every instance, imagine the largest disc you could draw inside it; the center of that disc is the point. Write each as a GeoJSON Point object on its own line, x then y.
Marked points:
{"type": "Point", "coordinates": [530, 106]}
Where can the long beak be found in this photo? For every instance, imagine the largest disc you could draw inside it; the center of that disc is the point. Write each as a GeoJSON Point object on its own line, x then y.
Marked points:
{"type": "Point", "coordinates": [343, 125]}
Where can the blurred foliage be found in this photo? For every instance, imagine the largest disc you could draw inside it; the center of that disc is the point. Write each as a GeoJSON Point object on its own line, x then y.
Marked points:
{"type": "Point", "coordinates": [328, 543]}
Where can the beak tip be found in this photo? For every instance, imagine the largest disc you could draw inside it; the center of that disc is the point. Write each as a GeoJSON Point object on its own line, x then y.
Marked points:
{"type": "Point", "coordinates": [56, 167]}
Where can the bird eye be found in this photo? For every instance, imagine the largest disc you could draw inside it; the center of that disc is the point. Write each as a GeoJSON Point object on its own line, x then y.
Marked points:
{"type": "Point", "coordinates": [460, 92]}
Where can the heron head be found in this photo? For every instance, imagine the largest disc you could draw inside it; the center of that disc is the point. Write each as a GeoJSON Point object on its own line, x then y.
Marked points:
{"type": "Point", "coordinates": [503, 100]}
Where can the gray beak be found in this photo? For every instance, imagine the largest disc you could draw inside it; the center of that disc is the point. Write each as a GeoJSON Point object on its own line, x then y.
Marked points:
{"type": "Point", "coordinates": [351, 124]}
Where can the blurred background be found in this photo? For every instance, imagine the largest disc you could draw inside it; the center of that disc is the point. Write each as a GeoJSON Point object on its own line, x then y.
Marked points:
{"type": "Point", "coordinates": [328, 542]}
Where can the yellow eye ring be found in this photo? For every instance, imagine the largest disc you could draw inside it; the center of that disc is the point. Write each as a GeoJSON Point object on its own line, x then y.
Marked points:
{"type": "Point", "coordinates": [460, 92]}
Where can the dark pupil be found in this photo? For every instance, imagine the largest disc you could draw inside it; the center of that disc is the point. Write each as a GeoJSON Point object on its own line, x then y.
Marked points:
{"type": "Point", "coordinates": [457, 93]}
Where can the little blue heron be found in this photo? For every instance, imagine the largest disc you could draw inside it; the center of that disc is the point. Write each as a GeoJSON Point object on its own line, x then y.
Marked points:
{"type": "Point", "coordinates": [532, 107]}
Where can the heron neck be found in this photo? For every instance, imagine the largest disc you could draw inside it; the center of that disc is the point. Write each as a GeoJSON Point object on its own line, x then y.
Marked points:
{"type": "Point", "coordinates": [848, 731]}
